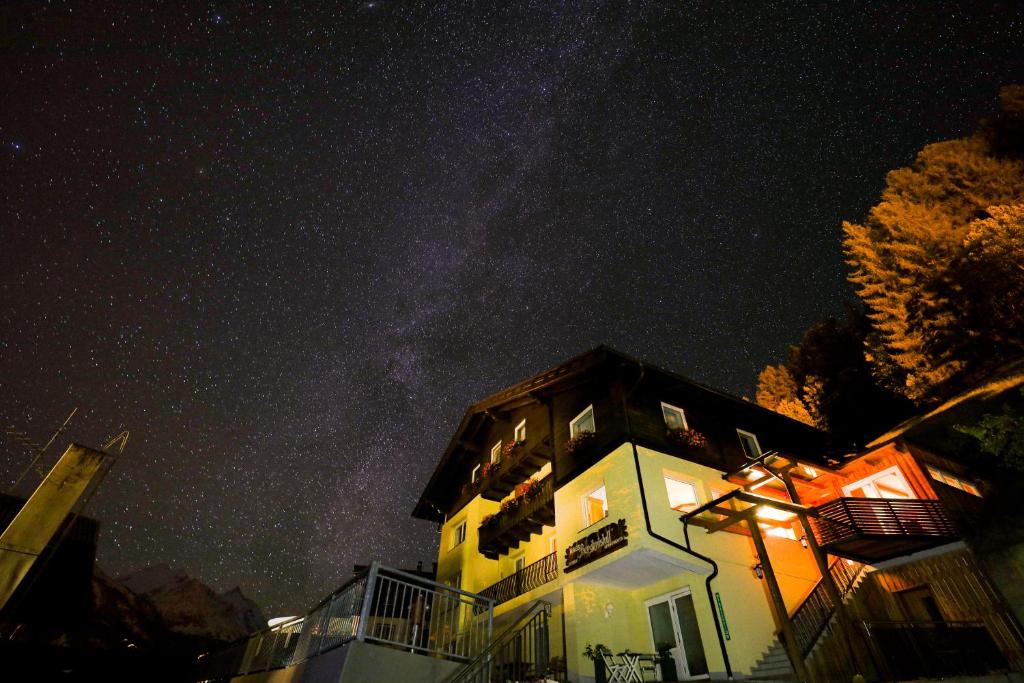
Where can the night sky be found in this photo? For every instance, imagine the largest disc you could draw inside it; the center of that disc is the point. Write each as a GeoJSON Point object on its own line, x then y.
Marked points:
{"type": "Point", "coordinates": [287, 247]}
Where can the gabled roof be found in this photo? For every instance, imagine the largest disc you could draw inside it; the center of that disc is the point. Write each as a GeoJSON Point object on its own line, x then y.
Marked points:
{"type": "Point", "coordinates": [553, 380]}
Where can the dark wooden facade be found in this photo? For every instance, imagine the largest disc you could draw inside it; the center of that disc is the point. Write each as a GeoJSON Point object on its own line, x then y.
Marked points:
{"type": "Point", "coordinates": [626, 396]}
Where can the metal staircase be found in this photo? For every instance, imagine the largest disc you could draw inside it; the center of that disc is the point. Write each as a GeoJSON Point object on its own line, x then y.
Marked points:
{"type": "Point", "coordinates": [519, 653]}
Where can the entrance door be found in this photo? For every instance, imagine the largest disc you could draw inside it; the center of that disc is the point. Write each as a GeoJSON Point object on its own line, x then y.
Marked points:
{"type": "Point", "coordinates": [674, 628]}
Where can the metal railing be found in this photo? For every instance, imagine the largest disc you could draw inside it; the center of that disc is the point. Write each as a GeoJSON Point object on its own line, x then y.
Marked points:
{"type": "Point", "coordinates": [812, 616]}
{"type": "Point", "coordinates": [844, 518]}
{"type": "Point", "coordinates": [520, 653]}
{"type": "Point", "coordinates": [381, 605]}
{"type": "Point", "coordinates": [523, 581]}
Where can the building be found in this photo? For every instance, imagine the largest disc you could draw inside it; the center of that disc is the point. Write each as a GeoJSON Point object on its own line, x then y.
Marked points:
{"type": "Point", "coordinates": [651, 514]}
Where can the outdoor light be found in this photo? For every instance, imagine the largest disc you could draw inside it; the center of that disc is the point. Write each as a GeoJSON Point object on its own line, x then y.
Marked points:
{"type": "Point", "coordinates": [803, 541]}
{"type": "Point", "coordinates": [759, 570]}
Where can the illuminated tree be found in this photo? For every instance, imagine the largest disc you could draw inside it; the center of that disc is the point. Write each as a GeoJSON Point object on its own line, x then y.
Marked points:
{"type": "Point", "coordinates": [778, 391]}
{"type": "Point", "coordinates": [933, 259]}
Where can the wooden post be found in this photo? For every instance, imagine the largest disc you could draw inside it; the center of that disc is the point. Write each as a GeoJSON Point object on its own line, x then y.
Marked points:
{"type": "Point", "coordinates": [781, 613]}
{"type": "Point", "coordinates": [848, 630]}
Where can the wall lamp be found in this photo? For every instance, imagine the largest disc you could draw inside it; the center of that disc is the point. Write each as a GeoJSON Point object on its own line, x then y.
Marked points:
{"type": "Point", "coordinates": [759, 571]}
{"type": "Point", "coordinates": [803, 542]}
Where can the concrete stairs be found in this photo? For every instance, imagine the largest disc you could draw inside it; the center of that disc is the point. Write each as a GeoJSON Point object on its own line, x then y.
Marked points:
{"type": "Point", "coordinates": [773, 665]}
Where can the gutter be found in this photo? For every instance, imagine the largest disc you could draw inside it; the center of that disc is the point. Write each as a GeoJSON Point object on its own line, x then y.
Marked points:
{"type": "Point", "coordinates": [651, 532]}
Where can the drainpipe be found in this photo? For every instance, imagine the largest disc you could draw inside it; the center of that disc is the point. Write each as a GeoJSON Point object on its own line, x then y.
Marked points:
{"type": "Point", "coordinates": [650, 530]}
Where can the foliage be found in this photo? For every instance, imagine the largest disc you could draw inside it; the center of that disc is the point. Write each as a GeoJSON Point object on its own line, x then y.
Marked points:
{"type": "Point", "coordinates": [580, 441]}
{"type": "Point", "coordinates": [928, 259]}
{"type": "Point", "coordinates": [487, 469]}
{"type": "Point", "coordinates": [488, 520]}
{"type": "Point", "coordinates": [688, 437]}
{"type": "Point", "coordinates": [594, 653]}
{"type": "Point", "coordinates": [511, 447]}
{"type": "Point", "coordinates": [1000, 435]}
{"type": "Point", "coordinates": [528, 490]}
{"type": "Point", "coordinates": [829, 383]}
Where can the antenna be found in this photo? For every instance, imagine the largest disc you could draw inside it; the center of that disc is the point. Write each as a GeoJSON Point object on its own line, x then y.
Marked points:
{"type": "Point", "coordinates": [39, 451]}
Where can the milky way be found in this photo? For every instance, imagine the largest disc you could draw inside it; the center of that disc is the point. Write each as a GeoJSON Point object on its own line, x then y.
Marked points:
{"type": "Point", "coordinates": [287, 247]}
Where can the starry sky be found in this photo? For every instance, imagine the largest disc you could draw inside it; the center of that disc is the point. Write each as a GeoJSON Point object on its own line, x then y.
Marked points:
{"type": "Point", "coordinates": [287, 245]}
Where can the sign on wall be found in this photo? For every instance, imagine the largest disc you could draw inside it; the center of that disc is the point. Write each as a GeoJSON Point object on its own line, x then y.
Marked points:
{"type": "Point", "coordinates": [598, 544]}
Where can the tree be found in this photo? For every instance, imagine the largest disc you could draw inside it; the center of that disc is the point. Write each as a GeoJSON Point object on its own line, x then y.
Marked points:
{"type": "Point", "coordinates": [1000, 435]}
{"type": "Point", "coordinates": [828, 382]}
{"type": "Point", "coordinates": [778, 391]}
{"type": "Point", "coordinates": [930, 256]}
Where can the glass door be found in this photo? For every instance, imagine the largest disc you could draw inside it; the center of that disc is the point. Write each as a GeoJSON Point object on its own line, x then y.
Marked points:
{"type": "Point", "coordinates": [674, 628]}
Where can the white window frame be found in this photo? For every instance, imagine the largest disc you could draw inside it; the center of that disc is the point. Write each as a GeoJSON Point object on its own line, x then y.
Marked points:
{"type": "Point", "coordinates": [587, 522]}
{"type": "Point", "coordinates": [458, 529]}
{"type": "Point", "coordinates": [680, 480]}
{"type": "Point", "coordinates": [682, 414]}
{"type": "Point", "coordinates": [521, 427]}
{"type": "Point", "coordinates": [740, 433]}
{"type": "Point", "coordinates": [496, 452]}
{"type": "Point", "coordinates": [553, 544]}
{"type": "Point", "coordinates": [576, 420]}
{"type": "Point", "coordinates": [521, 557]}
{"type": "Point", "coordinates": [872, 478]}
{"type": "Point", "coordinates": [475, 476]}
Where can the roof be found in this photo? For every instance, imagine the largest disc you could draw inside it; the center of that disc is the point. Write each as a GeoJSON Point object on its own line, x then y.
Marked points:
{"type": "Point", "coordinates": [931, 428]}
{"type": "Point", "coordinates": [549, 382]}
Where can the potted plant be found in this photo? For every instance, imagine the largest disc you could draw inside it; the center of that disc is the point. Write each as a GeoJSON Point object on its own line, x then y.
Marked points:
{"type": "Point", "coordinates": [666, 661]}
{"type": "Point", "coordinates": [511, 447]}
{"type": "Point", "coordinates": [594, 655]}
{"type": "Point", "coordinates": [687, 437]}
{"type": "Point", "coordinates": [579, 442]}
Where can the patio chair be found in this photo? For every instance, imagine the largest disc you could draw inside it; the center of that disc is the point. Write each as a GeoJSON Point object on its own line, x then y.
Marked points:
{"type": "Point", "coordinates": [617, 673]}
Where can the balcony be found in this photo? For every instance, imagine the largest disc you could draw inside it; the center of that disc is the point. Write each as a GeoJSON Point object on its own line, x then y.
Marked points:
{"type": "Point", "coordinates": [523, 581]}
{"type": "Point", "coordinates": [871, 530]}
{"type": "Point", "coordinates": [512, 526]}
{"type": "Point", "coordinates": [515, 468]}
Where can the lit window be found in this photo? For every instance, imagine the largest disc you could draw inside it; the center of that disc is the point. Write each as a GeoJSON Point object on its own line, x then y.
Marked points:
{"type": "Point", "coordinates": [675, 418]}
{"type": "Point", "coordinates": [584, 422]}
{"type": "Point", "coordinates": [957, 483]}
{"type": "Point", "coordinates": [595, 506]}
{"type": "Point", "coordinates": [682, 496]}
{"type": "Point", "coordinates": [520, 434]}
{"type": "Point", "coordinates": [459, 534]}
{"type": "Point", "coordinates": [476, 474]}
{"type": "Point", "coordinates": [751, 448]}
{"type": "Point", "coordinates": [779, 531]}
{"type": "Point", "coordinates": [496, 452]}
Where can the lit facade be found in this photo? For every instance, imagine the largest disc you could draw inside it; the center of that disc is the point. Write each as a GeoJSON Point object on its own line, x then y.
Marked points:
{"type": "Point", "coordinates": [570, 488]}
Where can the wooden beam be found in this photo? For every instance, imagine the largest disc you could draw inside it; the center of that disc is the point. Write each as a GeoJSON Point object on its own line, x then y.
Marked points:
{"type": "Point", "coordinates": [778, 604]}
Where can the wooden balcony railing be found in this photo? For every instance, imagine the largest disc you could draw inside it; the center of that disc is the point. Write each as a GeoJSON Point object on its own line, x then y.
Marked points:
{"type": "Point", "coordinates": [514, 526]}
{"type": "Point", "coordinates": [523, 581]}
{"type": "Point", "coordinates": [515, 468]}
{"type": "Point", "coordinates": [846, 517]}
{"type": "Point", "coordinates": [873, 529]}
{"type": "Point", "coordinates": [814, 613]}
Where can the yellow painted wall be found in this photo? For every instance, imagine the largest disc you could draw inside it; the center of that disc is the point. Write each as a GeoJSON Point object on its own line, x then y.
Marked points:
{"type": "Point", "coordinates": [596, 612]}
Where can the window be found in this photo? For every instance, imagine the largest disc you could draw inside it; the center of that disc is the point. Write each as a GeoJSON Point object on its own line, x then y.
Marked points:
{"type": "Point", "coordinates": [889, 483]}
{"type": "Point", "coordinates": [949, 480]}
{"type": "Point", "coordinates": [675, 418]}
{"type": "Point", "coordinates": [749, 442]}
{"type": "Point", "coordinates": [584, 422]}
{"type": "Point", "coordinates": [476, 474]}
{"type": "Point", "coordinates": [553, 544]}
{"type": "Point", "coordinates": [520, 433]}
{"type": "Point", "coordinates": [382, 631]}
{"type": "Point", "coordinates": [455, 581]}
{"type": "Point", "coordinates": [459, 534]}
{"type": "Point", "coordinates": [519, 564]}
{"type": "Point", "coordinates": [682, 495]}
{"type": "Point", "coordinates": [496, 452]}
{"type": "Point", "coordinates": [595, 506]}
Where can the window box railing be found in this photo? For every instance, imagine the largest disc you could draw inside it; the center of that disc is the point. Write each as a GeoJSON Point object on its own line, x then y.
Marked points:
{"type": "Point", "coordinates": [517, 523]}
{"type": "Point", "coordinates": [515, 467]}
{"type": "Point", "coordinates": [523, 581]}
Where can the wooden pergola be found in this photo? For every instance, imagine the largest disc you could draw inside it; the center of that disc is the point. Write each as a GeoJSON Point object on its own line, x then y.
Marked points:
{"type": "Point", "coordinates": [780, 480]}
